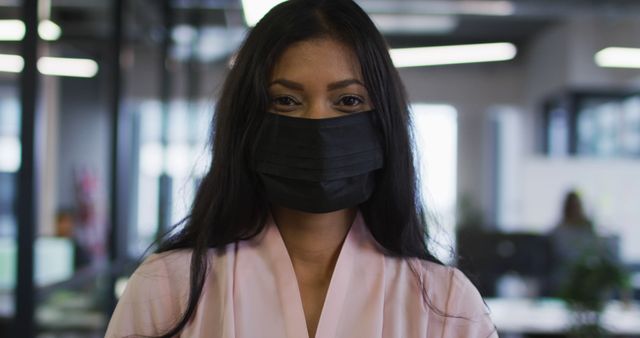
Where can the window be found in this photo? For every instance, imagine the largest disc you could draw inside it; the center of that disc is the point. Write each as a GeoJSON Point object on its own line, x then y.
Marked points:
{"type": "Point", "coordinates": [179, 164]}
{"type": "Point", "coordinates": [436, 147]}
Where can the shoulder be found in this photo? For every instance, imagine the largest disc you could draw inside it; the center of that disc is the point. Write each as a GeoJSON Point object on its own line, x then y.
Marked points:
{"type": "Point", "coordinates": [154, 297]}
{"type": "Point", "coordinates": [159, 271]}
{"type": "Point", "coordinates": [442, 283]}
{"type": "Point", "coordinates": [454, 304]}
{"type": "Point", "coordinates": [174, 267]}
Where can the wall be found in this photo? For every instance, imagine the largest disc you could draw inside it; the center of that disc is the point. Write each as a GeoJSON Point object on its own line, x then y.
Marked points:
{"type": "Point", "coordinates": [602, 197]}
{"type": "Point", "coordinates": [473, 90]}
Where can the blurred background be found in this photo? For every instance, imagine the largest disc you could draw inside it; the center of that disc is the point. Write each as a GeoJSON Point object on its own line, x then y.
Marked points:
{"type": "Point", "coordinates": [527, 124]}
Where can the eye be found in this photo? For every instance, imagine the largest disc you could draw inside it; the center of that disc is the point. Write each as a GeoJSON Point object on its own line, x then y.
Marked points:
{"type": "Point", "coordinates": [350, 101]}
{"type": "Point", "coordinates": [287, 101]}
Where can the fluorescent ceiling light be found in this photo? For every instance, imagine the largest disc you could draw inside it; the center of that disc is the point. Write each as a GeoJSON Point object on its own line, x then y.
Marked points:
{"type": "Point", "coordinates": [11, 30]}
{"type": "Point", "coordinates": [254, 10]}
{"type": "Point", "coordinates": [465, 7]}
{"type": "Point", "coordinates": [11, 63]}
{"type": "Point", "coordinates": [618, 57]}
{"type": "Point", "coordinates": [67, 67]}
{"type": "Point", "coordinates": [14, 30]}
{"type": "Point", "coordinates": [447, 55]}
{"type": "Point", "coordinates": [414, 23]}
{"type": "Point", "coordinates": [494, 8]}
{"type": "Point", "coordinates": [51, 66]}
{"type": "Point", "coordinates": [48, 30]}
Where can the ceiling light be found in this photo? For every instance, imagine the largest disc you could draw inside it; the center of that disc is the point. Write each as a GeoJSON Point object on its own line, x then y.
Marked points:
{"type": "Point", "coordinates": [51, 66]}
{"type": "Point", "coordinates": [67, 67]}
{"type": "Point", "coordinates": [494, 8]}
{"type": "Point", "coordinates": [465, 7]}
{"type": "Point", "coordinates": [11, 63]}
{"type": "Point", "coordinates": [410, 23]}
{"type": "Point", "coordinates": [48, 30]}
{"type": "Point", "coordinates": [254, 10]}
{"type": "Point", "coordinates": [618, 57]}
{"type": "Point", "coordinates": [14, 30]}
{"type": "Point", "coordinates": [11, 30]}
{"type": "Point", "coordinates": [446, 55]}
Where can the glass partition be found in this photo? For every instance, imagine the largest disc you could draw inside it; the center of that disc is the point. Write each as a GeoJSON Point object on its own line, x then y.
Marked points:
{"type": "Point", "coordinates": [10, 158]}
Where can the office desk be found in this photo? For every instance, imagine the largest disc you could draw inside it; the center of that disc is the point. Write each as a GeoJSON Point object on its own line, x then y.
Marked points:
{"type": "Point", "coordinates": [550, 316]}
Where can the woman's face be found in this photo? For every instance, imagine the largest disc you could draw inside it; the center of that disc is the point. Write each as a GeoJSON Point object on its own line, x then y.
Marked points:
{"type": "Point", "coordinates": [317, 79]}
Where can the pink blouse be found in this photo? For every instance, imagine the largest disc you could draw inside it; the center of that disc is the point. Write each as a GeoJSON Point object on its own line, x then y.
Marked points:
{"type": "Point", "coordinates": [251, 291]}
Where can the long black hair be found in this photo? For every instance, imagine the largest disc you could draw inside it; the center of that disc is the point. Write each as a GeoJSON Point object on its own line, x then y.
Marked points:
{"type": "Point", "coordinates": [230, 204]}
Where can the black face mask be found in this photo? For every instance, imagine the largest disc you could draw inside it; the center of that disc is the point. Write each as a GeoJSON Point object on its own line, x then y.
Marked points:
{"type": "Point", "coordinates": [319, 165]}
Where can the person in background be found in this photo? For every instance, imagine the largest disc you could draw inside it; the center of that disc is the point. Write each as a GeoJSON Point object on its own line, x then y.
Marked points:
{"type": "Point", "coordinates": [66, 227]}
{"type": "Point", "coordinates": [573, 237]}
{"type": "Point", "coordinates": [573, 216]}
{"type": "Point", "coordinates": [307, 223]}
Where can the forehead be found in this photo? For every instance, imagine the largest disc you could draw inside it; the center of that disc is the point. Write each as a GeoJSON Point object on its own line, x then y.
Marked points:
{"type": "Point", "coordinates": [317, 59]}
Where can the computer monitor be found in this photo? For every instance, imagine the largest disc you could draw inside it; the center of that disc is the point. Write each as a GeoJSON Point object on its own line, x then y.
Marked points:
{"type": "Point", "coordinates": [486, 256]}
{"type": "Point", "coordinates": [54, 261]}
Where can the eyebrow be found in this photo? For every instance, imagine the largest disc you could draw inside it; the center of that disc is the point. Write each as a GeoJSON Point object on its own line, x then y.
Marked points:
{"type": "Point", "coordinates": [343, 83]}
{"type": "Point", "coordinates": [332, 86]}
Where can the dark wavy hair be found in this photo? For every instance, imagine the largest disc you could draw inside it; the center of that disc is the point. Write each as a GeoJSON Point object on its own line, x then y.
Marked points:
{"type": "Point", "coordinates": [230, 204]}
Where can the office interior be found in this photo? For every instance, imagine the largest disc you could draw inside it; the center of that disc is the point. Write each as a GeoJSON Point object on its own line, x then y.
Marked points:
{"type": "Point", "coordinates": [104, 123]}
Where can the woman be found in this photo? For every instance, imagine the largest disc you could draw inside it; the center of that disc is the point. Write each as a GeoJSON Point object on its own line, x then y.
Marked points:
{"type": "Point", "coordinates": [308, 223]}
{"type": "Point", "coordinates": [571, 239]}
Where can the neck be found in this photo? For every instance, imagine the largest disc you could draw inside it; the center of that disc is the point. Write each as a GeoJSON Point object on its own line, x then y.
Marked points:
{"type": "Point", "coordinates": [313, 240]}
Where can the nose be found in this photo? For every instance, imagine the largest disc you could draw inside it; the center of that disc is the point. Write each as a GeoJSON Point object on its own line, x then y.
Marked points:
{"type": "Point", "coordinates": [320, 110]}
